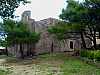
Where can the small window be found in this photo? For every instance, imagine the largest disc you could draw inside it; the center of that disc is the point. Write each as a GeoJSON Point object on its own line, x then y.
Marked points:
{"type": "Point", "coordinates": [71, 44]}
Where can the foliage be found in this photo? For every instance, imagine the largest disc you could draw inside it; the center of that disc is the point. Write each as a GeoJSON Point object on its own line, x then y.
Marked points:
{"type": "Point", "coordinates": [91, 54]}
{"type": "Point", "coordinates": [7, 7]}
{"type": "Point", "coordinates": [3, 43]}
{"type": "Point", "coordinates": [18, 32]}
{"type": "Point", "coordinates": [62, 29]}
{"type": "Point", "coordinates": [72, 18]}
{"type": "Point", "coordinates": [86, 12]}
{"type": "Point", "coordinates": [4, 72]}
{"type": "Point", "coordinates": [83, 17]}
{"type": "Point", "coordinates": [73, 11]}
{"type": "Point", "coordinates": [58, 30]}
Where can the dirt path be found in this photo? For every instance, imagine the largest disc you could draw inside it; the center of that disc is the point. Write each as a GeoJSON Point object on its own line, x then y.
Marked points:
{"type": "Point", "coordinates": [31, 67]}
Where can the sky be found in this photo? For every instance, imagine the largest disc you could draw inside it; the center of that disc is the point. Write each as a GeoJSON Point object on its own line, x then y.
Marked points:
{"type": "Point", "coordinates": [42, 9]}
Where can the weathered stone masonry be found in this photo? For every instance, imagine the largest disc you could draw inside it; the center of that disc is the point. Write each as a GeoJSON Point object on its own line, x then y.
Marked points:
{"type": "Point", "coordinates": [47, 43]}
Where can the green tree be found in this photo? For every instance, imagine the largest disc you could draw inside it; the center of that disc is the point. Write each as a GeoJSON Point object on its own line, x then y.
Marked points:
{"type": "Point", "coordinates": [72, 19]}
{"type": "Point", "coordinates": [83, 18]}
{"type": "Point", "coordinates": [18, 34]}
{"type": "Point", "coordinates": [86, 14]}
{"type": "Point", "coordinates": [7, 7]}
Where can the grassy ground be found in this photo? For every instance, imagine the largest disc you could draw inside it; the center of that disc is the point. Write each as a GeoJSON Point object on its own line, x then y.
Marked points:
{"type": "Point", "coordinates": [71, 65]}
{"type": "Point", "coordinates": [50, 64]}
{"type": "Point", "coordinates": [3, 72]}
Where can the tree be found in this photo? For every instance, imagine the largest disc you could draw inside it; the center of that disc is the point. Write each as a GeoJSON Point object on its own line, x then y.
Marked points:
{"type": "Point", "coordinates": [64, 30]}
{"type": "Point", "coordinates": [7, 7]}
{"type": "Point", "coordinates": [93, 18]}
{"type": "Point", "coordinates": [72, 20]}
{"type": "Point", "coordinates": [59, 30]}
{"type": "Point", "coordinates": [83, 17]}
{"type": "Point", "coordinates": [18, 34]}
{"type": "Point", "coordinates": [86, 14]}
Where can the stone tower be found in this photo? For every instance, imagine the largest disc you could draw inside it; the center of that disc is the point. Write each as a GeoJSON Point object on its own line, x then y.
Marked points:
{"type": "Point", "coordinates": [26, 18]}
{"type": "Point", "coordinates": [26, 15]}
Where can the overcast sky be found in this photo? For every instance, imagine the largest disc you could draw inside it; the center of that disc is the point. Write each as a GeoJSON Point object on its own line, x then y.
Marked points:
{"type": "Point", "coordinates": [41, 9]}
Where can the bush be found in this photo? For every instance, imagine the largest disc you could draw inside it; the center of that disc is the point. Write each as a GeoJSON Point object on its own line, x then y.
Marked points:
{"type": "Point", "coordinates": [91, 54]}
{"type": "Point", "coordinates": [83, 53]}
{"type": "Point", "coordinates": [97, 55]}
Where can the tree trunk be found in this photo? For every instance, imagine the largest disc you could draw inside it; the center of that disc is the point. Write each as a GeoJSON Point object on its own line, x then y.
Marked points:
{"type": "Point", "coordinates": [83, 41]}
{"type": "Point", "coordinates": [32, 49]}
{"type": "Point", "coordinates": [94, 39]}
{"type": "Point", "coordinates": [94, 42]}
{"type": "Point", "coordinates": [52, 47]}
{"type": "Point", "coordinates": [93, 35]}
{"type": "Point", "coordinates": [28, 49]}
{"type": "Point", "coordinates": [21, 51]}
{"type": "Point", "coordinates": [99, 34]}
{"type": "Point", "coordinates": [6, 51]}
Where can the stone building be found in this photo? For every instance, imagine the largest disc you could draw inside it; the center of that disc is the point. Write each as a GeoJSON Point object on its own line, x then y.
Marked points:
{"type": "Point", "coordinates": [47, 43]}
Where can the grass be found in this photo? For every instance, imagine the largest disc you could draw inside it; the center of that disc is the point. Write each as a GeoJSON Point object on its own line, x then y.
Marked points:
{"type": "Point", "coordinates": [71, 65]}
{"type": "Point", "coordinates": [56, 64]}
{"type": "Point", "coordinates": [4, 72]}
{"type": "Point", "coordinates": [74, 66]}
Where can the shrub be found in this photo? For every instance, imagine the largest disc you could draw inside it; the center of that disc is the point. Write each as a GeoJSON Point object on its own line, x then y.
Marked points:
{"type": "Point", "coordinates": [91, 54]}
{"type": "Point", "coordinates": [83, 53]}
{"type": "Point", "coordinates": [97, 55]}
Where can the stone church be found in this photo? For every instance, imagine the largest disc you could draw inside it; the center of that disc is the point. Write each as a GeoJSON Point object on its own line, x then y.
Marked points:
{"type": "Point", "coordinates": [47, 43]}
